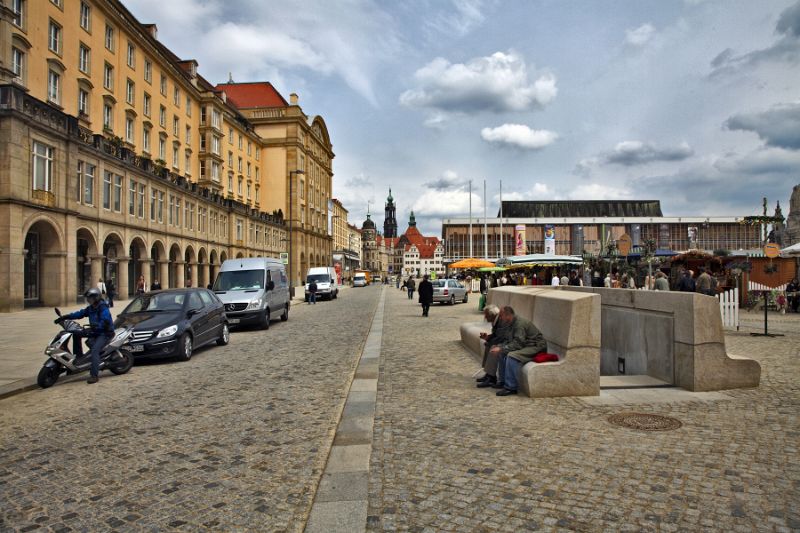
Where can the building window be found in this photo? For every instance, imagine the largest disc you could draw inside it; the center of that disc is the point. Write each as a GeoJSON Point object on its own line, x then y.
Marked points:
{"type": "Point", "coordinates": [162, 149]}
{"type": "Point", "coordinates": [131, 55]}
{"type": "Point", "coordinates": [239, 190]}
{"type": "Point", "coordinates": [129, 133]}
{"type": "Point", "coordinates": [109, 38]}
{"type": "Point", "coordinates": [230, 135]}
{"type": "Point", "coordinates": [216, 119]}
{"type": "Point", "coordinates": [188, 135]}
{"type": "Point", "coordinates": [86, 16]}
{"type": "Point", "coordinates": [187, 163]}
{"type": "Point", "coordinates": [188, 106]}
{"type": "Point", "coordinates": [240, 165]}
{"type": "Point", "coordinates": [142, 193]}
{"type": "Point", "coordinates": [230, 160]}
{"type": "Point", "coordinates": [42, 167]}
{"type": "Point", "coordinates": [161, 206]}
{"type": "Point", "coordinates": [215, 144]}
{"type": "Point", "coordinates": [258, 155]}
{"type": "Point", "coordinates": [18, 9]}
{"type": "Point", "coordinates": [153, 196]}
{"type": "Point", "coordinates": [130, 92]}
{"type": "Point", "coordinates": [163, 84]}
{"type": "Point", "coordinates": [258, 174]}
{"type": "Point", "coordinates": [148, 71]}
{"type": "Point", "coordinates": [132, 198]}
{"type": "Point", "coordinates": [108, 117]}
{"type": "Point", "coordinates": [215, 171]}
{"type": "Point", "coordinates": [248, 169]}
{"type": "Point", "coordinates": [202, 169]}
{"type": "Point", "coordinates": [162, 116]}
{"type": "Point", "coordinates": [117, 193]}
{"type": "Point", "coordinates": [230, 184]}
{"type": "Point", "coordinates": [54, 38]}
{"type": "Point", "coordinates": [176, 96]}
{"type": "Point", "coordinates": [88, 183]}
{"type": "Point", "coordinates": [240, 142]}
{"type": "Point", "coordinates": [239, 229]}
{"type": "Point", "coordinates": [176, 124]}
{"type": "Point", "coordinates": [53, 87]}
{"type": "Point", "coordinates": [175, 156]}
{"type": "Point", "coordinates": [146, 139]}
{"type": "Point", "coordinates": [203, 143]}
{"type": "Point", "coordinates": [146, 104]}
{"type": "Point", "coordinates": [249, 148]}
{"type": "Point", "coordinates": [108, 77]}
{"type": "Point", "coordinates": [107, 178]}
{"type": "Point", "coordinates": [84, 59]}
{"type": "Point", "coordinates": [17, 62]}
{"type": "Point", "coordinates": [202, 115]}
{"type": "Point", "coordinates": [248, 192]}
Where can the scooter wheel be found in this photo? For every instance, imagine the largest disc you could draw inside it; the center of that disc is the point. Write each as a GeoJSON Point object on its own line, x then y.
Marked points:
{"type": "Point", "coordinates": [48, 376]}
{"type": "Point", "coordinates": [123, 362]}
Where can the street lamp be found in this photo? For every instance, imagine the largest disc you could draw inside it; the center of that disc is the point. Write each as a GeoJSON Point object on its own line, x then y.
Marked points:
{"type": "Point", "coordinates": [291, 210]}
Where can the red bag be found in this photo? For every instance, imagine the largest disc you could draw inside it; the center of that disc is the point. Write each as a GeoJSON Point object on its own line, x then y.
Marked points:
{"type": "Point", "coordinates": [545, 358]}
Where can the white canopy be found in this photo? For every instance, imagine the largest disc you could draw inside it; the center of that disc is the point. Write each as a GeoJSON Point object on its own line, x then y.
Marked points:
{"type": "Point", "coordinates": [791, 250]}
{"type": "Point", "coordinates": [545, 259]}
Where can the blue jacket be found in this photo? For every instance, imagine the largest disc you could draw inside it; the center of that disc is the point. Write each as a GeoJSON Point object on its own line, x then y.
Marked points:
{"type": "Point", "coordinates": [99, 318]}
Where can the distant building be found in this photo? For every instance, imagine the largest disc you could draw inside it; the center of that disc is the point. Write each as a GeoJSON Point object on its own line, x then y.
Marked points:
{"type": "Point", "coordinates": [588, 226]}
{"type": "Point", "coordinates": [793, 220]}
{"type": "Point", "coordinates": [413, 254]}
{"type": "Point", "coordinates": [389, 220]}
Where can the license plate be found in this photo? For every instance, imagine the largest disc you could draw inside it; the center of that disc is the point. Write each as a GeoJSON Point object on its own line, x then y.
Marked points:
{"type": "Point", "coordinates": [137, 347]}
{"type": "Point", "coordinates": [233, 321]}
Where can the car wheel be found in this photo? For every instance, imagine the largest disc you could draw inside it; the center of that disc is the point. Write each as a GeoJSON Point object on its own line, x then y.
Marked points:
{"type": "Point", "coordinates": [265, 319]}
{"type": "Point", "coordinates": [185, 347]}
{"type": "Point", "coordinates": [225, 338]}
{"type": "Point", "coordinates": [453, 300]}
{"type": "Point", "coordinates": [466, 297]}
{"type": "Point", "coordinates": [285, 315]}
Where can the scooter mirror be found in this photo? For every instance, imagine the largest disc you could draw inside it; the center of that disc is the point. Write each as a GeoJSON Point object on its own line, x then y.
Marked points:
{"type": "Point", "coordinates": [58, 311]}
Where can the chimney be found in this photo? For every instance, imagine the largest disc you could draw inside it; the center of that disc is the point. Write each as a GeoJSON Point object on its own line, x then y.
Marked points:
{"type": "Point", "coordinates": [293, 99]}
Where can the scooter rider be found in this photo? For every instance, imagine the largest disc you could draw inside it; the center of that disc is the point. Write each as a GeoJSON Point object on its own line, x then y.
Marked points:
{"type": "Point", "coordinates": [100, 332]}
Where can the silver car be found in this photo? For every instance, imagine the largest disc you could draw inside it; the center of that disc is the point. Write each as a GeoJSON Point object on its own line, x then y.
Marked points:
{"type": "Point", "coordinates": [449, 291]}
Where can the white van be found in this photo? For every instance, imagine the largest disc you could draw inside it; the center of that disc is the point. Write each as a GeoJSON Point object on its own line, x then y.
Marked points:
{"type": "Point", "coordinates": [325, 277]}
{"type": "Point", "coordinates": [360, 280]}
{"type": "Point", "coordinates": [254, 290]}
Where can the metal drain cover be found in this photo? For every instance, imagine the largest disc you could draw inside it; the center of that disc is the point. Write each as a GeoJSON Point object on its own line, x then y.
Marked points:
{"type": "Point", "coordinates": [645, 421]}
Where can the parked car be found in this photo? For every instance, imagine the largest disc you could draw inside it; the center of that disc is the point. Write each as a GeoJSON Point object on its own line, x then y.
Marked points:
{"type": "Point", "coordinates": [360, 280]}
{"type": "Point", "coordinates": [174, 322]}
{"type": "Point", "coordinates": [449, 291]}
{"type": "Point", "coordinates": [254, 290]}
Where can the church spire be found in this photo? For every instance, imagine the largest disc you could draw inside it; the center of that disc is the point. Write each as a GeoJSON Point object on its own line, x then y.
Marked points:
{"type": "Point", "coordinates": [411, 220]}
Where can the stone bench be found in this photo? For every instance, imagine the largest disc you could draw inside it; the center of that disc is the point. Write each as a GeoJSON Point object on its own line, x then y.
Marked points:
{"type": "Point", "coordinates": [569, 322]}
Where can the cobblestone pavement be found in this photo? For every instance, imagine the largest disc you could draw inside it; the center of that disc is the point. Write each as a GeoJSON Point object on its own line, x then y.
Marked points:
{"type": "Point", "coordinates": [449, 457]}
{"type": "Point", "coordinates": [235, 439]}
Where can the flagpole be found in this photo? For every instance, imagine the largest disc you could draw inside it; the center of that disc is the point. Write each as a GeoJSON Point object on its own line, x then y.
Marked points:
{"type": "Point", "coordinates": [485, 226]}
{"type": "Point", "coordinates": [470, 219]}
{"type": "Point", "coordinates": [501, 218]}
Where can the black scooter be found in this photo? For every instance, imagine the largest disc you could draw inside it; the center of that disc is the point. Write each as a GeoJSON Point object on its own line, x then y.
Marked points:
{"type": "Point", "coordinates": [116, 356]}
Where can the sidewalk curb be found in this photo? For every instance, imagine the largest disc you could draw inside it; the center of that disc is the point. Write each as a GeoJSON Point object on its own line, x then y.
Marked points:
{"type": "Point", "coordinates": [17, 387]}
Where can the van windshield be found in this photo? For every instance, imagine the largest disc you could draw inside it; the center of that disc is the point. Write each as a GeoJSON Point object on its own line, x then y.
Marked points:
{"type": "Point", "coordinates": [239, 280]}
{"type": "Point", "coordinates": [324, 278]}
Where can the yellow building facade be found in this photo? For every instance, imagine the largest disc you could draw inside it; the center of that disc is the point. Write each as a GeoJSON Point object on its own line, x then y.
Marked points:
{"type": "Point", "coordinates": [121, 161]}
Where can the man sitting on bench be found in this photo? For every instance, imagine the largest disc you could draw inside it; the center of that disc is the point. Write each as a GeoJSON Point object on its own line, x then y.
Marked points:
{"type": "Point", "coordinates": [525, 342]}
{"type": "Point", "coordinates": [499, 335]}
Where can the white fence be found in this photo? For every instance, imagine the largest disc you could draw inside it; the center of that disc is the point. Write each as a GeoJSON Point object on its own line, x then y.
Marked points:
{"type": "Point", "coordinates": [729, 308]}
{"type": "Point", "coordinates": [753, 286]}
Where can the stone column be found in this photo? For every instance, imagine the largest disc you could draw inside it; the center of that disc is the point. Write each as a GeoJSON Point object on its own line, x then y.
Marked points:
{"type": "Point", "coordinates": [203, 279]}
{"type": "Point", "coordinates": [179, 271]}
{"type": "Point", "coordinates": [193, 275]}
{"type": "Point", "coordinates": [145, 266]}
{"type": "Point", "coordinates": [97, 269]}
{"type": "Point", "coordinates": [122, 278]}
{"type": "Point", "coordinates": [163, 276]}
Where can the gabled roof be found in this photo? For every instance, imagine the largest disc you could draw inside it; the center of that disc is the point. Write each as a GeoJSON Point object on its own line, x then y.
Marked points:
{"type": "Point", "coordinates": [253, 94]}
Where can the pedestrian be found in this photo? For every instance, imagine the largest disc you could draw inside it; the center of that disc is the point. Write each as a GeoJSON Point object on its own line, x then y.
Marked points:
{"type": "Point", "coordinates": [312, 293]}
{"type": "Point", "coordinates": [425, 294]}
{"type": "Point", "coordinates": [661, 283]}
{"type": "Point", "coordinates": [188, 283]}
{"type": "Point", "coordinates": [555, 281]}
{"type": "Point", "coordinates": [793, 294]}
{"type": "Point", "coordinates": [524, 341]}
{"type": "Point", "coordinates": [141, 286]}
{"type": "Point", "coordinates": [411, 285]}
{"type": "Point", "coordinates": [101, 286]}
{"type": "Point", "coordinates": [111, 291]}
{"type": "Point", "coordinates": [100, 332]}
{"type": "Point", "coordinates": [156, 286]}
{"type": "Point", "coordinates": [687, 283]}
{"type": "Point", "coordinates": [483, 284]}
{"type": "Point", "coordinates": [704, 283]}
{"type": "Point", "coordinates": [498, 336]}
{"type": "Point", "coordinates": [397, 282]}
{"type": "Point", "coordinates": [574, 280]}
{"type": "Point", "coordinates": [564, 281]}
{"type": "Point", "coordinates": [608, 282]}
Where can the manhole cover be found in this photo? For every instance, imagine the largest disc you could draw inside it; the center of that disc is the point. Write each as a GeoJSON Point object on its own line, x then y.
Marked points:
{"type": "Point", "coordinates": [645, 421]}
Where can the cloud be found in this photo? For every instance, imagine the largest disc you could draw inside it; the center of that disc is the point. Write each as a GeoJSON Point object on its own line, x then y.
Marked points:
{"type": "Point", "coordinates": [458, 18]}
{"type": "Point", "coordinates": [519, 136]}
{"type": "Point", "coordinates": [598, 191]}
{"type": "Point", "coordinates": [498, 83]}
{"type": "Point", "coordinates": [785, 49]}
{"type": "Point", "coordinates": [444, 203]}
{"type": "Point", "coordinates": [447, 181]}
{"type": "Point", "coordinates": [778, 126]}
{"type": "Point", "coordinates": [641, 35]}
{"type": "Point", "coordinates": [630, 153]}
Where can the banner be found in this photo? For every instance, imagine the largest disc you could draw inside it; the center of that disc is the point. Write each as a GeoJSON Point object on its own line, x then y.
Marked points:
{"type": "Point", "coordinates": [519, 239]}
{"type": "Point", "coordinates": [549, 239]}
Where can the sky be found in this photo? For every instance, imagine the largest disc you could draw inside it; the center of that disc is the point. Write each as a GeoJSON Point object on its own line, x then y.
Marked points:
{"type": "Point", "coordinates": [692, 102]}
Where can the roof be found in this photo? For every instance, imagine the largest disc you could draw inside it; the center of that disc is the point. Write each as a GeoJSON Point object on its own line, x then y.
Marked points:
{"type": "Point", "coordinates": [581, 208]}
{"type": "Point", "coordinates": [253, 94]}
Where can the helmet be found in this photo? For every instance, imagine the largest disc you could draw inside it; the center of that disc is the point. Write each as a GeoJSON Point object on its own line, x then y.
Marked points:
{"type": "Point", "coordinates": [92, 296]}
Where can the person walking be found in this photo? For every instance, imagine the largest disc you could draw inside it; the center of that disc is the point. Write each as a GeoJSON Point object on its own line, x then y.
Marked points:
{"type": "Point", "coordinates": [411, 285]}
{"type": "Point", "coordinates": [101, 286]}
{"type": "Point", "coordinates": [793, 294]}
{"type": "Point", "coordinates": [661, 283]}
{"type": "Point", "coordinates": [425, 294]}
{"type": "Point", "coordinates": [111, 291]}
{"type": "Point", "coordinates": [141, 286]}
{"type": "Point", "coordinates": [312, 293]}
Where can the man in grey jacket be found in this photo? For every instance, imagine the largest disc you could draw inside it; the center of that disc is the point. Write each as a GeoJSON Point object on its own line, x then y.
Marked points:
{"type": "Point", "coordinates": [524, 342]}
{"type": "Point", "coordinates": [499, 335]}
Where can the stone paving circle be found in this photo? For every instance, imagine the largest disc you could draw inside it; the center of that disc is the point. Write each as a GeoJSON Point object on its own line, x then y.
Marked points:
{"type": "Point", "coordinates": [645, 421]}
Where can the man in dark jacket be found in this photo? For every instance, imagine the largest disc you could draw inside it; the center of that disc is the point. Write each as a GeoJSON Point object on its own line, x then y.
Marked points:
{"type": "Point", "coordinates": [425, 294]}
{"type": "Point", "coordinates": [499, 335]}
{"type": "Point", "coordinates": [686, 283]}
{"type": "Point", "coordinates": [102, 329]}
{"type": "Point", "coordinates": [525, 341]}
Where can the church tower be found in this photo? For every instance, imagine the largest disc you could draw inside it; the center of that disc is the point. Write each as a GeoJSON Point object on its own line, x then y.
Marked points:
{"type": "Point", "coordinates": [389, 220]}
